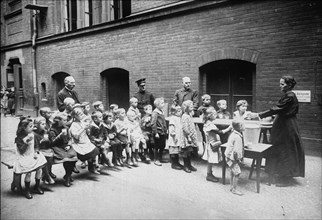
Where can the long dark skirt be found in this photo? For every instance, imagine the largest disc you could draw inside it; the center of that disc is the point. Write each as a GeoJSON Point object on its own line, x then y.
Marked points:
{"type": "Point", "coordinates": [286, 157]}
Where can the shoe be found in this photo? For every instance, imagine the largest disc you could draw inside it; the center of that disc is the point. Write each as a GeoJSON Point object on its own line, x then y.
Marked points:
{"type": "Point", "coordinates": [52, 175]}
{"type": "Point", "coordinates": [236, 192]}
{"type": "Point", "coordinates": [157, 163]}
{"type": "Point", "coordinates": [117, 163]}
{"type": "Point", "coordinates": [192, 168]}
{"type": "Point", "coordinates": [186, 169]}
{"type": "Point", "coordinates": [164, 161]}
{"type": "Point", "coordinates": [135, 163]}
{"type": "Point", "coordinates": [129, 162]}
{"type": "Point", "coordinates": [176, 166]}
{"type": "Point", "coordinates": [83, 165]}
{"type": "Point", "coordinates": [95, 171]}
{"type": "Point", "coordinates": [137, 158]}
{"type": "Point", "coordinates": [75, 170]}
{"type": "Point", "coordinates": [212, 178]}
{"type": "Point", "coordinates": [67, 182]}
{"type": "Point", "coordinates": [70, 178]}
{"type": "Point", "coordinates": [38, 190]}
{"type": "Point", "coordinates": [28, 195]}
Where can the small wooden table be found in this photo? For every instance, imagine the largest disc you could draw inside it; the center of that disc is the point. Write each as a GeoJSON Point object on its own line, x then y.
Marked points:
{"type": "Point", "coordinates": [254, 151]}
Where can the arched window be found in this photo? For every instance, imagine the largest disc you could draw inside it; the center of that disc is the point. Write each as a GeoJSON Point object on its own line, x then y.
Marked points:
{"type": "Point", "coordinates": [43, 91]}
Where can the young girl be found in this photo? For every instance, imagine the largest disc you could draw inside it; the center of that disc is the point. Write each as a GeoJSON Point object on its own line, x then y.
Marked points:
{"type": "Point", "coordinates": [159, 131]}
{"type": "Point", "coordinates": [28, 160]}
{"type": "Point", "coordinates": [63, 152]}
{"type": "Point", "coordinates": [80, 141]}
{"type": "Point", "coordinates": [175, 139]}
{"type": "Point", "coordinates": [42, 143]}
{"type": "Point", "coordinates": [241, 112]}
{"type": "Point", "coordinates": [190, 135]}
{"type": "Point", "coordinates": [212, 151]}
{"type": "Point", "coordinates": [235, 153]}
{"type": "Point", "coordinates": [112, 140]}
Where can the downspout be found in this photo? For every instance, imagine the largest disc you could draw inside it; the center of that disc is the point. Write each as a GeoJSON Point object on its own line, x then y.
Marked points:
{"type": "Point", "coordinates": [34, 67]}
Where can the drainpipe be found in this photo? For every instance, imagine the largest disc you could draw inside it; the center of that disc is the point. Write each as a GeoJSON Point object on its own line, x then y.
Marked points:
{"type": "Point", "coordinates": [34, 67]}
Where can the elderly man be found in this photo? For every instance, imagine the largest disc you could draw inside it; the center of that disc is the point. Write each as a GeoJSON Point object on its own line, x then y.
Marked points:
{"type": "Point", "coordinates": [186, 93]}
{"type": "Point", "coordinates": [67, 91]}
{"type": "Point", "coordinates": [144, 97]}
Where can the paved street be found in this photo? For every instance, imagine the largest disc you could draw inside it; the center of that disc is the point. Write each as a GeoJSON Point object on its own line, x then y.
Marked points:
{"type": "Point", "coordinates": [151, 192]}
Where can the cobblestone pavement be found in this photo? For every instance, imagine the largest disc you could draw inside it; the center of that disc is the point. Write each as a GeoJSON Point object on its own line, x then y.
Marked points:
{"type": "Point", "coordinates": [152, 192]}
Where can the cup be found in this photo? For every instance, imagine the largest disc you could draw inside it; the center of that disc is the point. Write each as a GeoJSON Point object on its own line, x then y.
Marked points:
{"type": "Point", "coordinates": [64, 131]}
{"type": "Point", "coordinates": [46, 136]}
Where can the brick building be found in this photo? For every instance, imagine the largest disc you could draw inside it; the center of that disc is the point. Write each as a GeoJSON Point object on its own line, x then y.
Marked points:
{"type": "Point", "coordinates": [230, 49]}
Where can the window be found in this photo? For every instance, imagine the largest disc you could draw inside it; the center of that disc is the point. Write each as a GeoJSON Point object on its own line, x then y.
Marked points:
{"type": "Point", "coordinates": [231, 80]}
{"type": "Point", "coordinates": [69, 15]}
{"type": "Point", "coordinates": [88, 13]}
{"type": "Point", "coordinates": [14, 5]}
{"type": "Point", "coordinates": [43, 91]}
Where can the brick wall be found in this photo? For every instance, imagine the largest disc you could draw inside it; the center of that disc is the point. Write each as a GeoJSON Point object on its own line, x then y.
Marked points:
{"type": "Point", "coordinates": [285, 34]}
{"type": "Point", "coordinates": [139, 5]}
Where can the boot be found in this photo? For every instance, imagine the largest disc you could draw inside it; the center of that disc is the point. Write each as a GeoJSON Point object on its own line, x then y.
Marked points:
{"type": "Point", "coordinates": [136, 156]}
{"type": "Point", "coordinates": [67, 179]}
{"type": "Point", "coordinates": [37, 188]}
{"type": "Point", "coordinates": [109, 159]}
{"type": "Point", "coordinates": [50, 165]}
{"type": "Point", "coordinates": [92, 167]}
{"type": "Point", "coordinates": [146, 155]}
{"type": "Point", "coordinates": [75, 170]}
{"type": "Point", "coordinates": [177, 161]}
{"type": "Point", "coordinates": [190, 166]}
{"type": "Point", "coordinates": [134, 162]}
{"type": "Point", "coordinates": [186, 165]}
{"type": "Point", "coordinates": [46, 177]}
{"type": "Point", "coordinates": [173, 162]}
{"type": "Point", "coordinates": [212, 178]}
{"type": "Point", "coordinates": [16, 183]}
{"type": "Point", "coordinates": [28, 193]}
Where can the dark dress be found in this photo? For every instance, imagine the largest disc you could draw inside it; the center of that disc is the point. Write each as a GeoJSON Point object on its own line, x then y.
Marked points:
{"type": "Point", "coordinates": [287, 155]}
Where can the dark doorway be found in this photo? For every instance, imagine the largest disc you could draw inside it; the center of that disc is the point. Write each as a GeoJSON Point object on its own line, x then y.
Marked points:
{"type": "Point", "coordinates": [116, 85]}
{"type": "Point", "coordinates": [231, 80]}
{"type": "Point", "coordinates": [14, 79]}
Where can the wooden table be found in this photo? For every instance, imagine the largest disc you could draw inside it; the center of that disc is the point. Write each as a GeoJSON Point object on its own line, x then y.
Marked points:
{"type": "Point", "coordinates": [254, 151]}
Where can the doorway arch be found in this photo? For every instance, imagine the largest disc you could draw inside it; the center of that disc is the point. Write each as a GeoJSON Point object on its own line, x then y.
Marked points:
{"type": "Point", "coordinates": [58, 84]}
{"type": "Point", "coordinates": [115, 87]}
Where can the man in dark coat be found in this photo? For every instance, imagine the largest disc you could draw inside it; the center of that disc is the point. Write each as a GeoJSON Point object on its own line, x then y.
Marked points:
{"type": "Point", "coordinates": [144, 97]}
{"type": "Point", "coordinates": [186, 93]}
{"type": "Point", "coordinates": [67, 91]}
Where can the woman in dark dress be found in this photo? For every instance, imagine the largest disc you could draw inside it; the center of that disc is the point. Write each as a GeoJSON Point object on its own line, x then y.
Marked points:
{"type": "Point", "coordinates": [286, 159]}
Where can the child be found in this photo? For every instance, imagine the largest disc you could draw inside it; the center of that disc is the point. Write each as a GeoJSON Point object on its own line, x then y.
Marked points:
{"type": "Point", "coordinates": [212, 152]}
{"type": "Point", "coordinates": [98, 137]}
{"type": "Point", "coordinates": [175, 139]}
{"type": "Point", "coordinates": [241, 112]}
{"type": "Point", "coordinates": [80, 141]}
{"type": "Point", "coordinates": [42, 144]}
{"type": "Point", "coordinates": [121, 124]}
{"type": "Point", "coordinates": [134, 108]}
{"type": "Point", "coordinates": [146, 126]}
{"type": "Point", "coordinates": [190, 135]}
{"type": "Point", "coordinates": [63, 152]}
{"type": "Point", "coordinates": [159, 131]}
{"type": "Point", "coordinates": [136, 138]}
{"type": "Point", "coordinates": [235, 153]}
{"type": "Point", "coordinates": [222, 113]}
{"type": "Point", "coordinates": [69, 105]}
{"type": "Point", "coordinates": [28, 160]}
{"type": "Point", "coordinates": [86, 108]}
{"type": "Point", "coordinates": [206, 100]}
{"type": "Point", "coordinates": [47, 114]}
{"type": "Point", "coordinates": [113, 109]}
{"type": "Point", "coordinates": [98, 106]}
{"type": "Point", "coordinates": [112, 140]}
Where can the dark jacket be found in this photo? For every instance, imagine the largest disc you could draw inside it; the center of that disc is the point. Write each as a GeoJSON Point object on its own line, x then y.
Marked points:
{"type": "Point", "coordinates": [64, 93]}
{"type": "Point", "coordinates": [159, 125]}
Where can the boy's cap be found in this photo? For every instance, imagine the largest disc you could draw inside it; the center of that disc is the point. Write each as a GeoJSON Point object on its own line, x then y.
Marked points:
{"type": "Point", "coordinates": [140, 81]}
{"type": "Point", "coordinates": [97, 103]}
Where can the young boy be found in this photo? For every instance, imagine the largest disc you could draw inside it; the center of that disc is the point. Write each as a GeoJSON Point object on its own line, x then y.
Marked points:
{"type": "Point", "coordinates": [223, 113]}
{"type": "Point", "coordinates": [98, 137]}
{"type": "Point", "coordinates": [136, 138]}
{"type": "Point", "coordinates": [46, 113]}
{"type": "Point", "coordinates": [134, 108]}
{"type": "Point", "coordinates": [159, 131]}
{"type": "Point", "coordinates": [98, 106]}
{"type": "Point", "coordinates": [122, 125]}
{"type": "Point", "coordinates": [113, 109]}
{"type": "Point", "coordinates": [146, 126]}
{"type": "Point", "coordinates": [206, 100]}
{"type": "Point", "coordinates": [235, 153]}
{"type": "Point", "coordinates": [112, 140]}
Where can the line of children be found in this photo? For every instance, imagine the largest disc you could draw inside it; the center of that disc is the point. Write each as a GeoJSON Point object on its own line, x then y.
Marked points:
{"type": "Point", "coordinates": [77, 133]}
